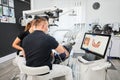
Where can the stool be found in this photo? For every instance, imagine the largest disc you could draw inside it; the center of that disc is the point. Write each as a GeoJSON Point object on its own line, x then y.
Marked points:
{"type": "Point", "coordinates": [31, 73]}
{"type": "Point", "coordinates": [35, 73]}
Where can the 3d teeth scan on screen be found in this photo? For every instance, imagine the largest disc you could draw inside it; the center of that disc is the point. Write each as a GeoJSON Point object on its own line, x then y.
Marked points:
{"type": "Point", "coordinates": [95, 43]}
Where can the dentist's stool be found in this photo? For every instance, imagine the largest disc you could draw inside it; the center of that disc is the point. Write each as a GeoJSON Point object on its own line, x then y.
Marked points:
{"type": "Point", "coordinates": [35, 73]}
{"type": "Point", "coordinates": [31, 73]}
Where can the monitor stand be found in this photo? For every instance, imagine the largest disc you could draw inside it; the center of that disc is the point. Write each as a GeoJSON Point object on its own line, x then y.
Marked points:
{"type": "Point", "coordinates": [90, 57]}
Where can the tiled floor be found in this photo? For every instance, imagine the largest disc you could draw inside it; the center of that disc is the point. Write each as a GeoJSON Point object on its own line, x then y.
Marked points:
{"type": "Point", "coordinates": [114, 74]}
{"type": "Point", "coordinates": [8, 70]}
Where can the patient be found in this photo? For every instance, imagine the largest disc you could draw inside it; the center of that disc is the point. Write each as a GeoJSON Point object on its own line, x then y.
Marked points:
{"type": "Point", "coordinates": [38, 47]}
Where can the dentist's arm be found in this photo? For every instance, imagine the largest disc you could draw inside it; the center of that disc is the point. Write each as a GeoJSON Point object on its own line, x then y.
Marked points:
{"type": "Point", "coordinates": [60, 49]}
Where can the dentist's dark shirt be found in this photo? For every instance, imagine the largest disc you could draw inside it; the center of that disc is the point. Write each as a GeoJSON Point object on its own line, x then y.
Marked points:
{"type": "Point", "coordinates": [38, 46]}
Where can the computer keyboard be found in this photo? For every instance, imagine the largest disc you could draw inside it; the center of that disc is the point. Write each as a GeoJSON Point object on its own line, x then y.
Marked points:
{"type": "Point", "coordinates": [82, 60]}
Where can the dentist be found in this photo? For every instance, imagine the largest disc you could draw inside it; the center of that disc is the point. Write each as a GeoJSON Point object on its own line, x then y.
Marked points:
{"type": "Point", "coordinates": [38, 47]}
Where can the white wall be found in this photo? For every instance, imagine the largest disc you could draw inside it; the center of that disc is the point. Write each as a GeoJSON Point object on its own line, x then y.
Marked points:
{"type": "Point", "coordinates": [38, 4]}
{"type": "Point", "coordinates": [109, 11]}
{"type": "Point", "coordinates": [62, 4]}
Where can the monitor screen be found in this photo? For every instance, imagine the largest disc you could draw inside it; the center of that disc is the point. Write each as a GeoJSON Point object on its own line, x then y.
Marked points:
{"type": "Point", "coordinates": [96, 43]}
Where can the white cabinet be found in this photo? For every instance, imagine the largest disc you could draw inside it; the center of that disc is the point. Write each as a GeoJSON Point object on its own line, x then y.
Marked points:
{"type": "Point", "coordinates": [115, 46]}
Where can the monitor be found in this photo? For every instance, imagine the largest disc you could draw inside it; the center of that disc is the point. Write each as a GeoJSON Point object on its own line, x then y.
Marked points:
{"type": "Point", "coordinates": [95, 43]}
